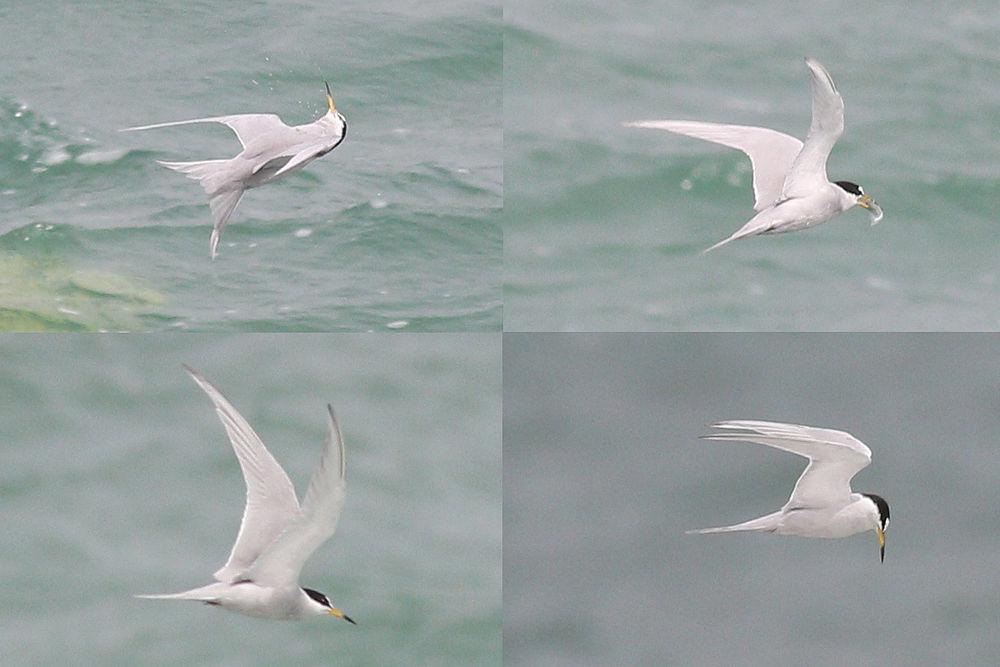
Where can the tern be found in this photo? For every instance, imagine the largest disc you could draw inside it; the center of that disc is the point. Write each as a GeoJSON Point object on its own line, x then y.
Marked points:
{"type": "Point", "coordinates": [277, 535]}
{"type": "Point", "coordinates": [271, 150]}
{"type": "Point", "coordinates": [790, 184]}
{"type": "Point", "coordinates": [822, 503]}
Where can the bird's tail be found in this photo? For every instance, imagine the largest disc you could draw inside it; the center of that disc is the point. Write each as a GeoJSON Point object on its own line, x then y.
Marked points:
{"type": "Point", "coordinates": [212, 175]}
{"type": "Point", "coordinates": [719, 244]}
{"type": "Point", "coordinates": [766, 524]}
{"type": "Point", "coordinates": [738, 235]}
{"type": "Point", "coordinates": [759, 224]}
{"type": "Point", "coordinates": [203, 594]}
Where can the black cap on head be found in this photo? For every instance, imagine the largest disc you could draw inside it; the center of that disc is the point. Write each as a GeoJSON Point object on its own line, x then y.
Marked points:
{"type": "Point", "coordinates": [883, 508]}
{"type": "Point", "coordinates": [853, 188]}
{"type": "Point", "coordinates": [318, 597]}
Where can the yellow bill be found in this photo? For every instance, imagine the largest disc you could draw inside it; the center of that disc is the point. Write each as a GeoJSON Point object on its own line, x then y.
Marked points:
{"type": "Point", "coordinates": [329, 98]}
{"type": "Point", "coordinates": [339, 614]}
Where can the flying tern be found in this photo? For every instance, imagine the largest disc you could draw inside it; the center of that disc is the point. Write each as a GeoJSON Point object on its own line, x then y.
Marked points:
{"type": "Point", "coordinates": [277, 535]}
{"type": "Point", "coordinates": [789, 177]}
{"type": "Point", "coordinates": [271, 150]}
{"type": "Point", "coordinates": [822, 503]}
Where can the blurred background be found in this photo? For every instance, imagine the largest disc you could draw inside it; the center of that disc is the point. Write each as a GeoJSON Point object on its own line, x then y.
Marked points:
{"type": "Point", "coordinates": [117, 479]}
{"type": "Point", "coordinates": [397, 229]}
{"type": "Point", "coordinates": [603, 473]}
{"type": "Point", "coordinates": [604, 224]}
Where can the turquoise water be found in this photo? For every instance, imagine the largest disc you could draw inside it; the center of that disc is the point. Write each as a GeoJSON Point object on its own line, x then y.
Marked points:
{"type": "Point", "coordinates": [604, 471]}
{"type": "Point", "coordinates": [117, 478]}
{"type": "Point", "coordinates": [396, 230]}
{"type": "Point", "coordinates": [604, 224]}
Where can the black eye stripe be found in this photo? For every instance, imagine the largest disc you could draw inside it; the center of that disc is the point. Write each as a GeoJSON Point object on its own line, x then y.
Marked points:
{"type": "Point", "coordinates": [317, 596]}
{"type": "Point", "coordinates": [883, 508]}
{"type": "Point", "coordinates": [853, 188]}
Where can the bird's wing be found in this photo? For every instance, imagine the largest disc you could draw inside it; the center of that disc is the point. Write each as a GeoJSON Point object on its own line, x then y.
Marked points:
{"type": "Point", "coordinates": [834, 456]}
{"type": "Point", "coordinates": [245, 125]}
{"type": "Point", "coordinates": [271, 502]}
{"type": "Point", "coordinates": [316, 521]}
{"type": "Point", "coordinates": [301, 157]}
{"type": "Point", "coordinates": [771, 152]}
{"type": "Point", "coordinates": [808, 173]}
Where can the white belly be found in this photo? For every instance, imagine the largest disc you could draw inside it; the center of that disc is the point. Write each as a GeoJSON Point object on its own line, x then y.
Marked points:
{"type": "Point", "coordinates": [822, 523]}
{"type": "Point", "coordinates": [254, 600]}
{"type": "Point", "coordinates": [797, 214]}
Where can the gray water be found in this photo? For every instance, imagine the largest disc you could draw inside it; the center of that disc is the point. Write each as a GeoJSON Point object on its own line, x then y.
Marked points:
{"type": "Point", "coordinates": [117, 479]}
{"type": "Point", "coordinates": [603, 473]}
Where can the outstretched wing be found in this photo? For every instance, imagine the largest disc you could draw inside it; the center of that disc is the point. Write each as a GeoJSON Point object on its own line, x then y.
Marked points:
{"type": "Point", "coordinates": [316, 521]}
{"type": "Point", "coordinates": [808, 173]}
{"type": "Point", "coordinates": [834, 456]}
{"type": "Point", "coordinates": [271, 502]}
{"type": "Point", "coordinates": [771, 152]}
{"type": "Point", "coordinates": [246, 125]}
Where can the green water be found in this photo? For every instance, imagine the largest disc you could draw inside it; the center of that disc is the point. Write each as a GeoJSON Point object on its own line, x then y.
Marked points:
{"type": "Point", "coordinates": [118, 479]}
{"type": "Point", "coordinates": [487, 183]}
{"type": "Point", "coordinates": [604, 224]}
{"type": "Point", "coordinates": [396, 230]}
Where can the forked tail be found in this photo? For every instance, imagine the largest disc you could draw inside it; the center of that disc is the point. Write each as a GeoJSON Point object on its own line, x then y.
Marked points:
{"type": "Point", "coordinates": [202, 594]}
{"type": "Point", "coordinates": [765, 524]}
{"type": "Point", "coordinates": [719, 244]}
{"type": "Point", "coordinates": [212, 175]}
{"type": "Point", "coordinates": [742, 233]}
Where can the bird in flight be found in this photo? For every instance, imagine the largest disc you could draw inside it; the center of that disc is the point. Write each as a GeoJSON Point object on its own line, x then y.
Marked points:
{"type": "Point", "coordinates": [822, 503]}
{"type": "Point", "coordinates": [271, 150]}
{"type": "Point", "coordinates": [790, 184]}
{"type": "Point", "coordinates": [277, 535]}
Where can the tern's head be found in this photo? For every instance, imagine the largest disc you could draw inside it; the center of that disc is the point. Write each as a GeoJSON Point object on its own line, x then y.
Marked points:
{"type": "Point", "coordinates": [319, 605]}
{"type": "Point", "coordinates": [880, 517]}
{"type": "Point", "coordinates": [332, 115]}
{"type": "Point", "coordinates": [854, 195]}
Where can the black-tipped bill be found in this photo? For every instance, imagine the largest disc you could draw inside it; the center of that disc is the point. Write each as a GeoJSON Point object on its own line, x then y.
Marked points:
{"type": "Point", "coordinates": [881, 544]}
{"type": "Point", "coordinates": [339, 614]}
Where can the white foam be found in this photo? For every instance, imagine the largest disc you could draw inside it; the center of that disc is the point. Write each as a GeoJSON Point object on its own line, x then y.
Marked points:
{"type": "Point", "coordinates": [100, 157]}
{"type": "Point", "coordinates": [54, 156]}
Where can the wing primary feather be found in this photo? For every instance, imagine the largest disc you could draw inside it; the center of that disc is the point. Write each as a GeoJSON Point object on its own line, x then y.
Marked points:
{"type": "Point", "coordinates": [316, 521]}
{"type": "Point", "coordinates": [771, 152]}
{"type": "Point", "coordinates": [271, 504]}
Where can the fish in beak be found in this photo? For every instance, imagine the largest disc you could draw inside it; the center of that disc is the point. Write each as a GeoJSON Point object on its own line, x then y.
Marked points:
{"type": "Point", "coordinates": [876, 211]}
